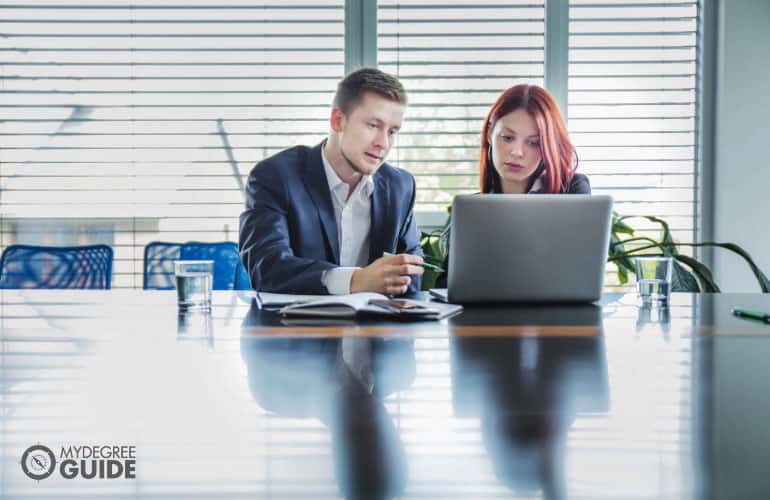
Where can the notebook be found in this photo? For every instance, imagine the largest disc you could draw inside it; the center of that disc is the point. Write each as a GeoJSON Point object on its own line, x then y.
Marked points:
{"type": "Point", "coordinates": [359, 304]}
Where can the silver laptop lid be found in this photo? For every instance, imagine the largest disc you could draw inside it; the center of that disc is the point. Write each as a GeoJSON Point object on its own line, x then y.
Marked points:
{"type": "Point", "coordinates": [528, 248]}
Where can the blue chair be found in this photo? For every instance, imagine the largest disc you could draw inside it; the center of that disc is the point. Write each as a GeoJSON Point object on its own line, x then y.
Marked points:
{"type": "Point", "coordinates": [27, 266]}
{"type": "Point", "coordinates": [159, 256]}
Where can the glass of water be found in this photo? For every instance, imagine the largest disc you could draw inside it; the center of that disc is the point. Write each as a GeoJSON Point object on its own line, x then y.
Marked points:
{"type": "Point", "coordinates": [653, 279]}
{"type": "Point", "coordinates": [194, 280]}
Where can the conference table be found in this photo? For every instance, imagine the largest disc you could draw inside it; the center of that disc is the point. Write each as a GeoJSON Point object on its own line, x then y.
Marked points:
{"type": "Point", "coordinates": [117, 394]}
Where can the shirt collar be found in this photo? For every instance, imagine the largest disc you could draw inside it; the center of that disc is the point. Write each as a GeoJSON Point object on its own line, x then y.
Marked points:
{"type": "Point", "coordinates": [538, 184]}
{"type": "Point", "coordinates": [366, 185]}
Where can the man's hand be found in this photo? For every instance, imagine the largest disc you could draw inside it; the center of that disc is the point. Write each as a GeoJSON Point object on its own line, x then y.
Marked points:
{"type": "Point", "coordinates": [387, 275]}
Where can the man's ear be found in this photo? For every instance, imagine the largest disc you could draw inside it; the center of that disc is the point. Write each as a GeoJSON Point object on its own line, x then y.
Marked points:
{"type": "Point", "coordinates": [337, 120]}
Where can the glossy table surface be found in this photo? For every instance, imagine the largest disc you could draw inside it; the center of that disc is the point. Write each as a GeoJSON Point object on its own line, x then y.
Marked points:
{"type": "Point", "coordinates": [598, 401]}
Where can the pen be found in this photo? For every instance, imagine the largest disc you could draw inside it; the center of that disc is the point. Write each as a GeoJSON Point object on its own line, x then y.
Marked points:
{"type": "Point", "coordinates": [424, 264]}
{"type": "Point", "coordinates": [757, 315]}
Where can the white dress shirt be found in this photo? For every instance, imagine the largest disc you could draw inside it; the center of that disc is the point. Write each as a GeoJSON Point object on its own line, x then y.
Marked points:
{"type": "Point", "coordinates": [357, 356]}
{"type": "Point", "coordinates": [354, 221]}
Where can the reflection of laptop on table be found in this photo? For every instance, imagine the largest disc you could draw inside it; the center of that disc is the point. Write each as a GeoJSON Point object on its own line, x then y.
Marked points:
{"type": "Point", "coordinates": [527, 248]}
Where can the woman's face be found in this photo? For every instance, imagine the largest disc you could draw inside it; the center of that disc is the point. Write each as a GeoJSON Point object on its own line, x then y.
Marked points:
{"type": "Point", "coordinates": [515, 150]}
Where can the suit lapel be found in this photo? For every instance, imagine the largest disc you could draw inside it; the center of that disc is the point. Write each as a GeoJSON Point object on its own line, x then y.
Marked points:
{"type": "Point", "coordinates": [380, 203]}
{"type": "Point", "coordinates": [318, 187]}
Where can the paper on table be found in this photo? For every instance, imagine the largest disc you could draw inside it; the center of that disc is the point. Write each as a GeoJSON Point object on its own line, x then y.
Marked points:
{"type": "Point", "coordinates": [283, 299]}
{"type": "Point", "coordinates": [334, 305]}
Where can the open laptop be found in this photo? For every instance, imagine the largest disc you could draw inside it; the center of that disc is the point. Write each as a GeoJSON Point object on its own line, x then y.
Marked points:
{"type": "Point", "coordinates": [527, 248]}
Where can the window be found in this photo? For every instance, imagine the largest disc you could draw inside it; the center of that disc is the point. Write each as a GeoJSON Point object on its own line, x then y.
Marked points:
{"type": "Point", "coordinates": [632, 106]}
{"type": "Point", "coordinates": [454, 58]}
{"type": "Point", "coordinates": [125, 122]}
{"type": "Point", "coordinates": [631, 102]}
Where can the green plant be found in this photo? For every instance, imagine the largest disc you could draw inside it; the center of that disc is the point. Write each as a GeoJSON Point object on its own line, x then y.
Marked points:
{"type": "Point", "coordinates": [434, 248]}
{"type": "Point", "coordinates": [689, 274]}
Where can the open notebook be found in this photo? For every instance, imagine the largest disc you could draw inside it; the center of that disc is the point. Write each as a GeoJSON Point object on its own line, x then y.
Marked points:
{"type": "Point", "coordinates": [361, 304]}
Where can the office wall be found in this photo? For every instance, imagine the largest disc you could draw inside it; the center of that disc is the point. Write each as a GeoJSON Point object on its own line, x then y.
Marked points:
{"type": "Point", "coordinates": [742, 148]}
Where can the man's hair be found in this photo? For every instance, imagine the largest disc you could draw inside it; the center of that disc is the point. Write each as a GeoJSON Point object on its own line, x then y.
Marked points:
{"type": "Point", "coordinates": [351, 90]}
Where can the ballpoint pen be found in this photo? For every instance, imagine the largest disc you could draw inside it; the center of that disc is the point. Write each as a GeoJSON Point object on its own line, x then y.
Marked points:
{"type": "Point", "coordinates": [748, 314]}
{"type": "Point", "coordinates": [426, 265]}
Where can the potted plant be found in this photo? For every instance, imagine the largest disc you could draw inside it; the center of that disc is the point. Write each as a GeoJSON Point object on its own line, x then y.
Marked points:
{"type": "Point", "coordinates": [689, 274]}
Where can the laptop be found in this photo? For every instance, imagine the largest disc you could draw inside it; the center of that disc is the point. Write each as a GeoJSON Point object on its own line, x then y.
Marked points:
{"type": "Point", "coordinates": [507, 248]}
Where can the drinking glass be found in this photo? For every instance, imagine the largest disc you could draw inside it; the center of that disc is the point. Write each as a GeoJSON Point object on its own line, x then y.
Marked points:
{"type": "Point", "coordinates": [194, 281]}
{"type": "Point", "coordinates": [653, 279]}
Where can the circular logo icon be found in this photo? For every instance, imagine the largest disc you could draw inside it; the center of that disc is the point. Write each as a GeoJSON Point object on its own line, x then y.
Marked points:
{"type": "Point", "coordinates": [38, 462]}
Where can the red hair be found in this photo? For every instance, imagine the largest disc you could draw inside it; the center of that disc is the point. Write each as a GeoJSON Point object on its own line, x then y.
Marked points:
{"type": "Point", "coordinates": [555, 146]}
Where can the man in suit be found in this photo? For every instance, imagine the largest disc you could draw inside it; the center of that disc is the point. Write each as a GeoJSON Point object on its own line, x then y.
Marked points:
{"type": "Point", "coordinates": [319, 220]}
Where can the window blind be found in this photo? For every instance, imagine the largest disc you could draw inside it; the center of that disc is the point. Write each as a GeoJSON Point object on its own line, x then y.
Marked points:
{"type": "Point", "coordinates": [633, 106]}
{"type": "Point", "coordinates": [632, 100]}
{"type": "Point", "coordinates": [124, 122]}
{"type": "Point", "coordinates": [454, 58]}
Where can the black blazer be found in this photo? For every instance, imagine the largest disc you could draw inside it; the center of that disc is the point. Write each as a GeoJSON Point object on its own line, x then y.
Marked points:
{"type": "Point", "coordinates": [288, 233]}
{"type": "Point", "coordinates": [578, 185]}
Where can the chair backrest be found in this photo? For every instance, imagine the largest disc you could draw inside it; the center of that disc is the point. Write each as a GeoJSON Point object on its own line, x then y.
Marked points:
{"type": "Point", "coordinates": [229, 273]}
{"type": "Point", "coordinates": [159, 257]}
{"type": "Point", "coordinates": [27, 266]}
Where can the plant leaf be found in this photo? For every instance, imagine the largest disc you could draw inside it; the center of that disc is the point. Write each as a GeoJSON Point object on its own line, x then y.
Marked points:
{"type": "Point", "coordinates": [622, 274]}
{"type": "Point", "coordinates": [429, 278]}
{"type": "Point", "coordinates": [702, 272]}
{"type": "Point", "coordinates": [764, 283]}
{"type": "Point", "coordinates": [668, 245]}
{"type": "Point", "coordinates": [622, 262]}
{"type": "Point", "coordinates": [683, 280]}
{"type": "Point", "coordinates": [618, 253]}
{"type": "Point", "coordinates": [617, 249]}
{"type": "Point", "coordinates": [618, 226]}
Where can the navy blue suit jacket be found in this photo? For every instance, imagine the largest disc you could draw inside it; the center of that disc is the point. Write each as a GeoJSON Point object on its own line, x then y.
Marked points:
{"type": "Point", "coordinates": [288, 233]}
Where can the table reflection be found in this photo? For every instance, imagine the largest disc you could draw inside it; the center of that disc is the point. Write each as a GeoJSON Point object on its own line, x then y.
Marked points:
{"type": "Point", "coordinates": [651, 317]}
{"type": "Point", "coordinates": [342, 382]}
{"type": "Point", "coordinates": [527, 392]}
{"type": "Point", "coordinates": [195, 325]}
{"type": "Point", "coordinates": [497, 402]}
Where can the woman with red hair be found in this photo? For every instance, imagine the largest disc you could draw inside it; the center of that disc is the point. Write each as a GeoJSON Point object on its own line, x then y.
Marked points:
{"type": "Point", "coordinates": [525, 147]}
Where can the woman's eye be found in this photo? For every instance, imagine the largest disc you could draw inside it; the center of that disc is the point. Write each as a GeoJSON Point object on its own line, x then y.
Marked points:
{"type": "Point", "coordinates": [534, 144]}
{"type": "Point", "coordinates": [506, 138]}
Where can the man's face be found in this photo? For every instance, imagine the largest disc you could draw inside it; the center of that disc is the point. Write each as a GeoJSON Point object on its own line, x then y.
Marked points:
{"type": "Point", "coordinates": [367, 133]}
